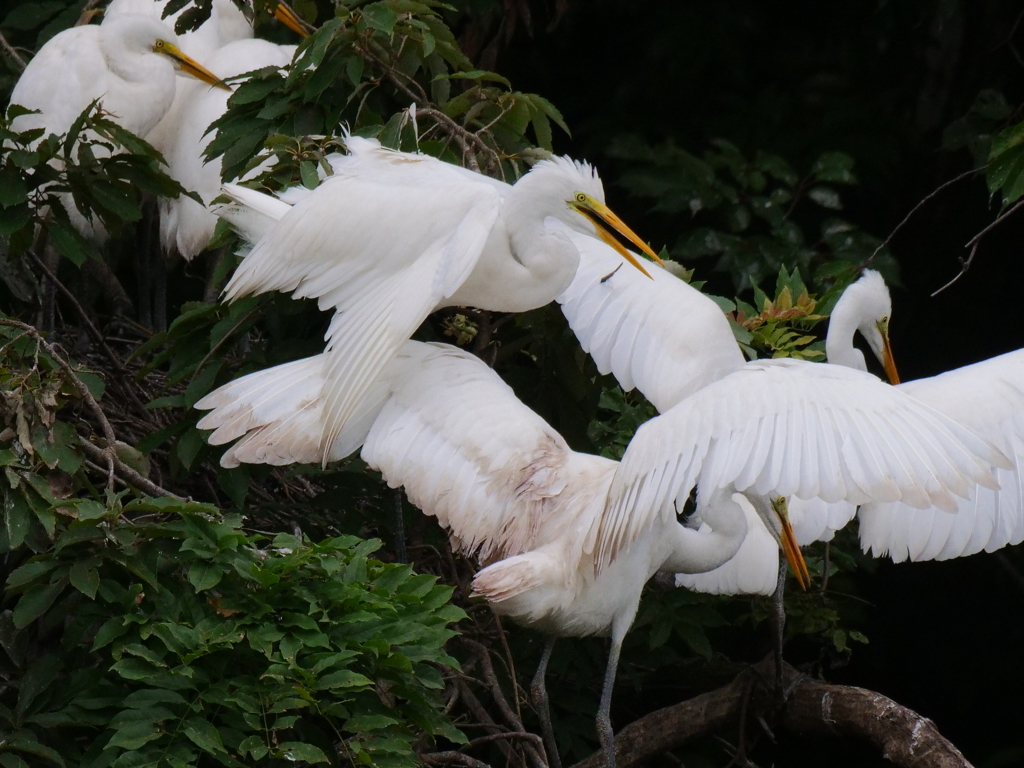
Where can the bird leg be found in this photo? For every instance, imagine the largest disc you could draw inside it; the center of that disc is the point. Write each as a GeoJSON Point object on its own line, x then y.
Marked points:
{"type": "Point", "coordinates": [160, 293]}
{"type": "Point", "coordinates": [604, 712]}
{"type": "Point", "coordinates": [778, 626]}
{"type": "Point", "coordinates": [539, 694]}
{"type": "Point", "coordinates": [398, 527]}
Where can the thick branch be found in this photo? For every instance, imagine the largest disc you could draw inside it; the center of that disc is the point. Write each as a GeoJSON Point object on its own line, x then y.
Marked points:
{"type": "Point", "coordinates": [900, 734]}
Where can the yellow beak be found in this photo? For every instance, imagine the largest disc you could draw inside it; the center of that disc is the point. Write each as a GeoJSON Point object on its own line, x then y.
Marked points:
{"type": "Point", "coordinates": [790, 548]}
{"type": "Point", "coordinates": [192, 67]}
{"type": "Point", "coordinates": [887, 360]}
{"type": "Point", "coordinates": [600, 215]}
{"type": "Point", "coordinates": [287, 16]}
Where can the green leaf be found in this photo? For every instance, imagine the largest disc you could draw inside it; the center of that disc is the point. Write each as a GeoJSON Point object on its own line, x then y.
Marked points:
{"type": "Point", "coordinates": [204, 575]}
{"type": "Point", "coordinates": [135, 735]}
{"type": "Point", "coordinates": [378, 16]}
{"type": "Point", "coordinates": [204, 735]}
{"type": "Point", "coordinates": [35, 602]}
{"type": "Point", "coordinates": [826, 197]}
{"type": "Point", "coordinates": [85, 578]}
{"type": "Point", "coordinates": [363, 723]}
{"type": "Point", "coordinates": [17, 518]}
{"type": "Point", "coordinates": [69, 242]}
{"type": "Point", "coordinates": [343, 679]}
{"type": "Point", "coordinates": [297, 751]}
{"type": "Point", "coordinates": [307, 171]}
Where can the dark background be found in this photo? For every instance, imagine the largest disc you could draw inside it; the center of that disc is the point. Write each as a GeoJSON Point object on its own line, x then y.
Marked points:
{"type": "Point", "coordinates": [881, 81]}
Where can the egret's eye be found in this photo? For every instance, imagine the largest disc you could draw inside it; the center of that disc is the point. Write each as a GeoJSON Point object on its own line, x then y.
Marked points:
{"type": "Point", "coordinates": [159, 44]}
{"type": "Point", "coordinates": [580, 197]}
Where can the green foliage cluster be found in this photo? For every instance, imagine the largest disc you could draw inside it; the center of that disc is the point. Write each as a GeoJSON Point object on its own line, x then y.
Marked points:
{"type": "Point", "coordinates": [360, 70]}
{"type": "Point", "coordinates": [752, 213]}
{"type": "Point", "coordinates": [95, 176]}
{"type": "Point", "coordinates": [157, 631]}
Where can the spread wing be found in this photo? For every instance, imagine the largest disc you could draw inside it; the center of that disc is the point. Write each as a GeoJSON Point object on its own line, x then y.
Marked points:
{"type": "Point", "coordinates": [382, 250]}
{"type": "Point", "coordinates": [471, 454]}
{"type": "Point", "coordinates": [988, 399]}
{"type": "Point", "coordinates": [660, 336]}
{"type": "Point", "coordinates": [795, 429]}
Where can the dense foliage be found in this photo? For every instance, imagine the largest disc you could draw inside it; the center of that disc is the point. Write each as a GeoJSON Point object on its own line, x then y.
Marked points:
{"type": "Point", "coordinates": [160, 609]}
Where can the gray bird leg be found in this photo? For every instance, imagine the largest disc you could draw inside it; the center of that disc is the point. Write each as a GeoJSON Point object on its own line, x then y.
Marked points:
{"type": "Point", "coordinates": [604, 712]}
{"type": "Point", "coordinates": [539, 694]}
{"type": "Point", "coordinates": [778, 624]}
{"type": "Point", "coordinates": [398, 527]}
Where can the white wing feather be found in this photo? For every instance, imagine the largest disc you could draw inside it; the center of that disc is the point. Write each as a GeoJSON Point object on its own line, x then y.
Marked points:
{"type": "Point", "coordinates": [988, 399]}
{"type": "Point", "coordinates": [382, 283]}
{"type": "Point", "coordinates": [660, 336]}
{"type": "Point", "coordinates": [752, 429]}
{"type": "Point", "coordinates": [470, 453]}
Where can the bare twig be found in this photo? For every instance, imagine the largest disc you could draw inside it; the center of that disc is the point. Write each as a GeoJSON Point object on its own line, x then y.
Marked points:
{"type": "Point", "coordinates": [521, 735]}
{"type": "Point", "coordinates": [126, 473]}
{"type": "Point", "coordinates": [965, 264]}
{"type": "Point", "coordinates": [918, 207]}
{"type": "Point", "coordinates": [108, 455]}
{"type": "Point", "coordinates": [999, 220]}
{"type": "Point", "coordinates": [98, 337]}
{"type": "Point", "coordinates": [12, 53]}
{"type": "Point", "coordinates": [452, 758]}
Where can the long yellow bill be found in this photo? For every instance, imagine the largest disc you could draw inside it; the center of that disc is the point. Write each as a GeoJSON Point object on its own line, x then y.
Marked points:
{"type": "Point", "coordinates": [887, 359]}
{"type": "Point", "coordinates": [285, 14]}
{"type": "Point", "coordinates": [600, 215]}
{"type": "Point", "coordinates": [790, 548]}
{"type": "Point", "coordinates": [190, 66]}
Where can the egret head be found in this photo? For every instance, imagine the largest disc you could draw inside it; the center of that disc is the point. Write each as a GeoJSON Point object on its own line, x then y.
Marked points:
{"type": "Point", "coordinates": [872, 306]}
{"type": "Point", "coordinates": [136, 34]}
{"type": "Point", "coordinates": [187, 65]}
{"type": "Point", "coordinates": [572, 192]}
{"type": "Point", "coordinates": [775, 515]}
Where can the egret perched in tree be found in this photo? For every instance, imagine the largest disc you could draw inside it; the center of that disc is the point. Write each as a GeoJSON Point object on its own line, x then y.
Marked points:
{"type": "Point", "coordinates": [392, 236]}
{"type": "Point", "coordinates": [576, 564]}
{"type": "Point", "coordinates": [505, 484]}
{"type": "Point", "coordinates": [186, 226]}
{"type": "Point", "coordinates": [129, 62]}
{"type": "Point", "coordinates": [666, 365]}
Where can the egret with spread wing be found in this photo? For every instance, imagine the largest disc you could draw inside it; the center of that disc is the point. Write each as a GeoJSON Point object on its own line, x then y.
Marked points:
{"type": "Point", "coordinates": [392, 236]}
{"type": "Point", "coordinates": [815, 430]}
{"type": "Point", "coordinates": [505, 484]}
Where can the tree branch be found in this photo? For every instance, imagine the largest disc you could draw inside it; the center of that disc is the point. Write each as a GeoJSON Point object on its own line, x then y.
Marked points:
{"type": "Point", "coordinates": [812, 707]}
{"type": "Point", "coordinates": [108, 455]}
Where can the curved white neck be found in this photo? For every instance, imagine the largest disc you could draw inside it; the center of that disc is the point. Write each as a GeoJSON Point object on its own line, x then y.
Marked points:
{"type": "Point", "coordinates": [839, 347]}
{"type": "Point", "coordinates": [700, 551]}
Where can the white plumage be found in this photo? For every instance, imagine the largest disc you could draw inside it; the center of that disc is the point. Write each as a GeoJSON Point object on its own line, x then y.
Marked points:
{"type": "Point", "coordinates": [442, 424]}
{"type": "Point", "coordinates": [393, 236]}
{"type": "Point", "coordinates": [185, 225]}
{"type": "Point", "coordinates": [988, 398]}
{"type": "Point", "coordinates": [129, 62]}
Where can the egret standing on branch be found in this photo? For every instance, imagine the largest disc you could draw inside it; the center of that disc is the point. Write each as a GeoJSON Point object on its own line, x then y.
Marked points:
{"type": "Point", "coordinates": [505, 485]}
{"type": "Point", "coordinates": [392, 236]}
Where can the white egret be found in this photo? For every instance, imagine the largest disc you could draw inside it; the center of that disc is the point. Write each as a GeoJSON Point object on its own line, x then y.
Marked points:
{"type": "Point", "coordinates": [505, 484]}
{"type": "Point", "coordinates": [392, 236]}
{"type": "Point", "coordinates": [986, 398]}
{"type": "Point", "coordinates": [573, 556]}
{"type": "Point", "coordinates": [226, 23]}
{"type": "Point", "coordinates": [186, 226]}
{"type": "Point", "coordinates": [129, 62]}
